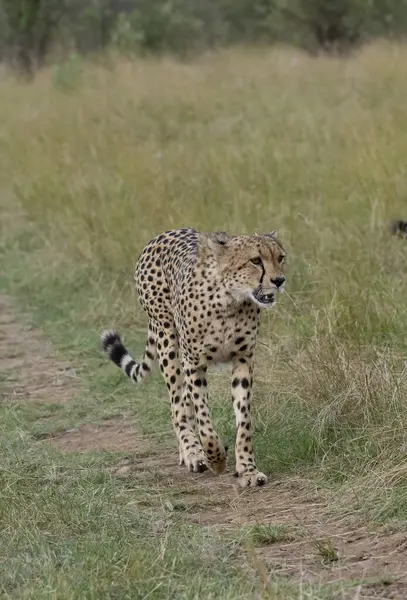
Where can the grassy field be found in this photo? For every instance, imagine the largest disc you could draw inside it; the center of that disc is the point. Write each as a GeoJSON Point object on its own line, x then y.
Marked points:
{"type": "Point", "coordinates": [97, 159]}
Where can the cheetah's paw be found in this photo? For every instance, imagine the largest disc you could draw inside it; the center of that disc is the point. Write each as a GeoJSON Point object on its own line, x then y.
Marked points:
{"type": "Point", "coordinates": [196, 463]}
{"type": "Point", "coordinates": [252, 479]}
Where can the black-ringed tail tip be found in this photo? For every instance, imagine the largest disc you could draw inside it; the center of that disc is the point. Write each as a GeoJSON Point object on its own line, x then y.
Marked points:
{"type": "Point", "coordinates": [112, 344]}
{"type": "Point", "coordinates": [115, 350]}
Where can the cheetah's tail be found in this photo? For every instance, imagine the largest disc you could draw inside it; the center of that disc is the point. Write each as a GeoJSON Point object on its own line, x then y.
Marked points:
{"type": "Point", "coordinates": [115, 350]}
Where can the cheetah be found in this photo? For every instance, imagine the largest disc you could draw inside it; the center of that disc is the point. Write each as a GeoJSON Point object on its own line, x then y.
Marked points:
{"type": "Point", "coordinates": [203, 293]}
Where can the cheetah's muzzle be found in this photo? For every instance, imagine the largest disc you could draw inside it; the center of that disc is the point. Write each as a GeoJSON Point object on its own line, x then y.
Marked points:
{"type": "Point", "coordinates": [265, 299]}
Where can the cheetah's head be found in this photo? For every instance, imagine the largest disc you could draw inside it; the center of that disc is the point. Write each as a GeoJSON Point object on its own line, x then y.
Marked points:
{"type": "Point", "coordinates": [250, 265]}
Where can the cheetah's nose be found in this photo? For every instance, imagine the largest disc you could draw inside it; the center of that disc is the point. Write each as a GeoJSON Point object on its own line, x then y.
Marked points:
{"type": "Point", "coordinates": [278, 281]}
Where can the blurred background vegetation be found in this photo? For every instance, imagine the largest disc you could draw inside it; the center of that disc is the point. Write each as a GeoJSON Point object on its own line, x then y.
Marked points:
{"type": "Point", "coordinates": [33, 32]}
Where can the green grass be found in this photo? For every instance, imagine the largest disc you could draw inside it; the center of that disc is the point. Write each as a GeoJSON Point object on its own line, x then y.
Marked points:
{"type": "Point", "coordinates": [265, 534]}
{"type": "Point", "coordinates": [69, 531]}
{"type": "Point", "coordinates": [326, 551]}
{"type": "Point", "coordinates": [241, 140]}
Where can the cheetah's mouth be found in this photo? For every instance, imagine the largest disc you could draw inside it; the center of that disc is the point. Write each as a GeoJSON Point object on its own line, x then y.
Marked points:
{"type": "Point", "coordinates": [265, 300]}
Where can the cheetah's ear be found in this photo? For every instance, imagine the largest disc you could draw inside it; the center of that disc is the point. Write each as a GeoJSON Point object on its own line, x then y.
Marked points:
{"type": "Point", "coordinates": [220, 237]}
{"type": "Point", "coordinates": [272, 234]}
{"type": "Point", "coordinates": [215, 241]}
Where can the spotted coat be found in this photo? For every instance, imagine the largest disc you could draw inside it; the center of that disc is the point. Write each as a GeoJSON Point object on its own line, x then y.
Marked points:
{"type": "Point", "coordinates": [202, 294]}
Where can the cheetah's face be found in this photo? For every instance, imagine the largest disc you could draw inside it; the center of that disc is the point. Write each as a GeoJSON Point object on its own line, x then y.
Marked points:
{"type": "Point", "coordinates": [251, 266]}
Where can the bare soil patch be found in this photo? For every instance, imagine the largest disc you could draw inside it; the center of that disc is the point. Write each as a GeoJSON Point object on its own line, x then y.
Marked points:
{"type": "Point", "coordinates": [28, 364]}
{"type": "Point", "coordinates": [111, 436]}
{"type": "Point", "coordinates": [377, 559]}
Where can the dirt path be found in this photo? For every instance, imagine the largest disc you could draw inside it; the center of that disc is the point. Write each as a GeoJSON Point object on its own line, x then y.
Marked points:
{"type": "Point", "coordinates": [291, 506]}
{"type": "Point", "coordinates": [27, 361]}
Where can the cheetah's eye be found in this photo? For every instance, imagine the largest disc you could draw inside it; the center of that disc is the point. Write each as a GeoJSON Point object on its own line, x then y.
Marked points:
{"type": "Point", "coordinates": [281, 258]}
{"type": "Point", "coordinates": [257, 261]}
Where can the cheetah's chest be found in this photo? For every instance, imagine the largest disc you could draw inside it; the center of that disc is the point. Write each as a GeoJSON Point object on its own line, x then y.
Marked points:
{"type": "Point", "coordinates": [220, 340]}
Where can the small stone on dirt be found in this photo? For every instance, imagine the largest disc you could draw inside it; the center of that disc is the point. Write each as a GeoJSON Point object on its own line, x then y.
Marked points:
{"type": "Point", "coordinates": [123, 471]}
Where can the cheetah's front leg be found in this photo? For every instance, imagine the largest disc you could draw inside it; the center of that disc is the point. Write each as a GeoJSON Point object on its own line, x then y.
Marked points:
{"type": "Point", "coordinates": [246, 468]}
{"type": "Point", "coordinates": [196, 393]}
